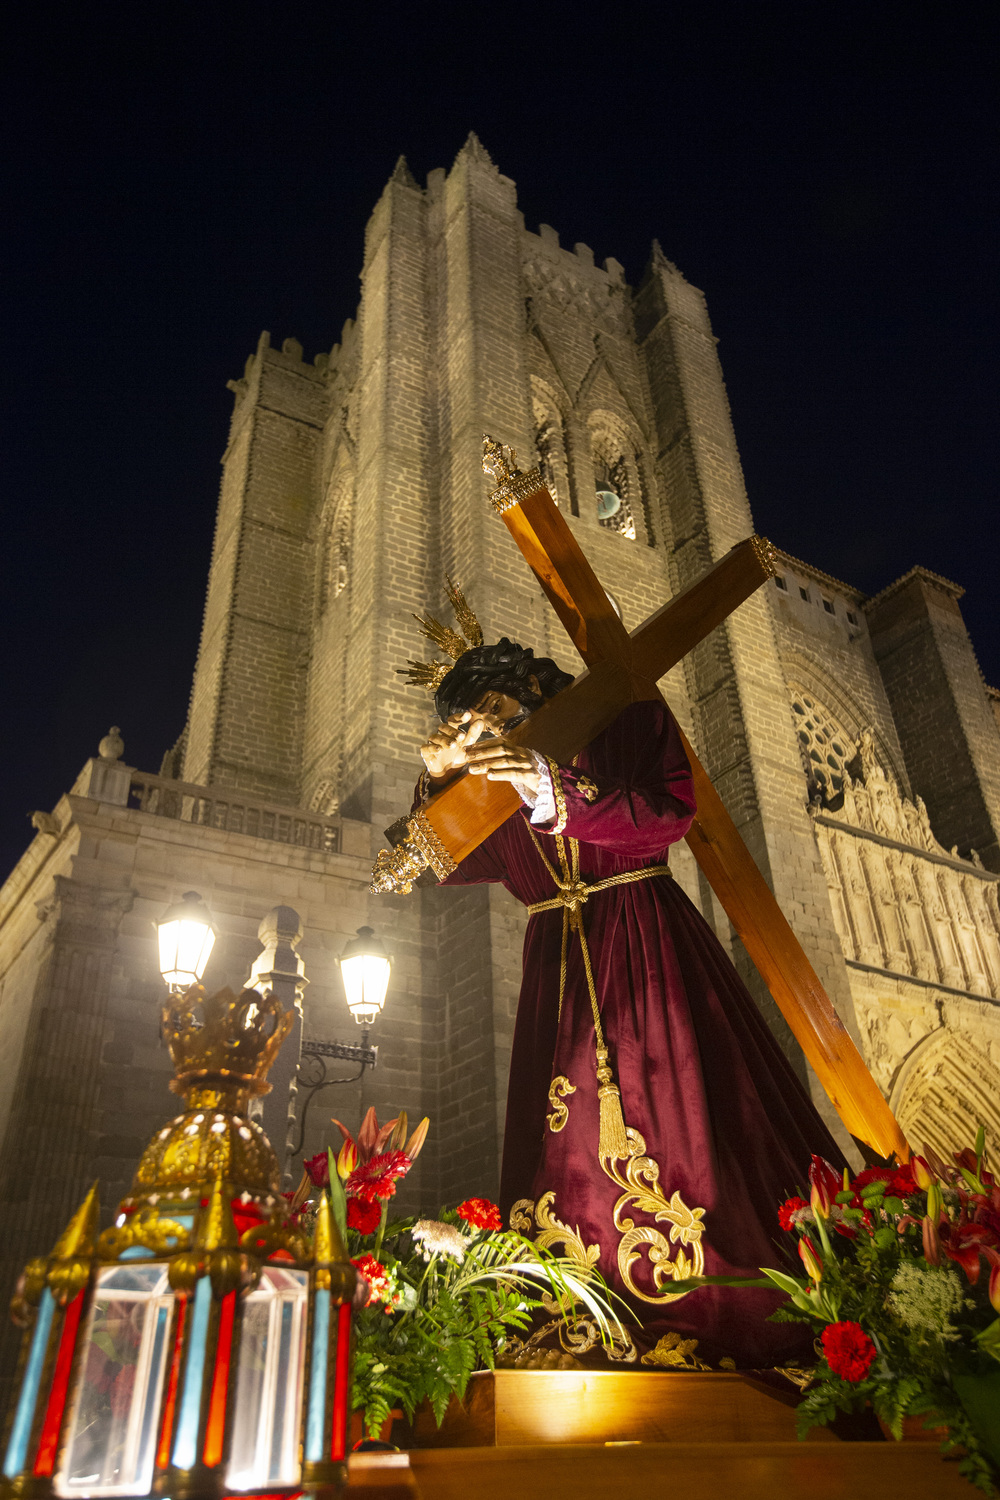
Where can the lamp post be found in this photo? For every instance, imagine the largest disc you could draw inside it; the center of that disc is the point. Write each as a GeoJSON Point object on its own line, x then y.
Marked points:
{"type": "Point", "coordinates": [186, 936]}
{"type": "Point", "coordinates": [365, 967]}
{"type": "Point", "coordinates": [278, 970]}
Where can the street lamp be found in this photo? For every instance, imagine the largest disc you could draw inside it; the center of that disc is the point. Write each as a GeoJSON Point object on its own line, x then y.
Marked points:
{"type": "Point", "coordinates": [186, 936]}
{"type": "Point", "coordinates": [365, 965]}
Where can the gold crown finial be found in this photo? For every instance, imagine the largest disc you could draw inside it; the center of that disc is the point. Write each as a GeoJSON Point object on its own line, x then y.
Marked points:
{"type": "Point", "coordinates": [224, 1038]}
{"type": "Point", "coordinates": [511, 484]}
{"type": "Point", "coordinates": [499, 461]}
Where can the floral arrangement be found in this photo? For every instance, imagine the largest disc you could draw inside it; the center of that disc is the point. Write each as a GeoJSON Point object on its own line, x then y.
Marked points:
{"type": "Point", "coordinates": [443, 1295]}
{"type": "Point", "coordinates": [902, 1284]}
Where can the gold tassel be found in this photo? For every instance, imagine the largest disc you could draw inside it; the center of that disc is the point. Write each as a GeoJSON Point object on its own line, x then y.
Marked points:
{"type": "Point", "coordinates": [612, 1142]}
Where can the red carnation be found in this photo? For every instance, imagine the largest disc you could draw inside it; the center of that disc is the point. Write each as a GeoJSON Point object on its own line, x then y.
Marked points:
{"type": "Point", "coordinates": [789, 1207]}
{"type": "Point", "coordinates": [374, 1272]}
{"type": "Point", "coordinates": [377, 1177]}
{"type": "Point", "coordinates": [848, 1349]}
{"type": "Point", "coordinates": [318, 1168]}
{"type": "Point", "coordinates": [903, 1185]}
{"type": "Point", "coordinates": [480, 1213]}
{"type": "Point", "coordinates": [364, 1217]}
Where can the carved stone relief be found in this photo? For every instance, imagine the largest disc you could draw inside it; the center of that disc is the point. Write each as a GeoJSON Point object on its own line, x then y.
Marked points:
{"type": "Point", "coordinates": [946, 1089]}
{"type": "Point", "coordinates": [902, 903]}
{"type": "Point", "coordinates": [554, 286]}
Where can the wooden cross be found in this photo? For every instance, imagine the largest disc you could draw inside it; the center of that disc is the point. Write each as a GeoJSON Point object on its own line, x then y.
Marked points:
{"type": "Point", "coordinates": [623, 668]}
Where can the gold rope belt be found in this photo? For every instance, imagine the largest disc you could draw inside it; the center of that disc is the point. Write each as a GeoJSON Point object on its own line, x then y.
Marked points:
{"type": "Point", "coordinates": [573, 892]}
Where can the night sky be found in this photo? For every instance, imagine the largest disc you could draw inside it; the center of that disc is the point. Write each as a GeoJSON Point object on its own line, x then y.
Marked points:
{"type": "Point", "coordinates": [180, 177]}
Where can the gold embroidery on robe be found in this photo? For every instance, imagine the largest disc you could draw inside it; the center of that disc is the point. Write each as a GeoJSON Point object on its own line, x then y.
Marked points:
{"type": "Point", "coordinates": [587, 789]}
{"type": "Point", "coordinates": [641, 1181]}
{"type": "Point", "coordinates": [675, 1353]}
{"type": "Point", "coordinates": [558, 1089]}
{"type": "Point", "coordinates": [522, 1216]}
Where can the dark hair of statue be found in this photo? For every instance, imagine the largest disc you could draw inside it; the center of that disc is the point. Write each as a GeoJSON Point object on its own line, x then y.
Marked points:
{"type": "Point", "coordinates": [503, 668]}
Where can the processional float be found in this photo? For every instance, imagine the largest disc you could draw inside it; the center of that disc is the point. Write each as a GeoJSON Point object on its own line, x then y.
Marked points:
{"type": "Point", "coordinates": [623, 668]}
{"type": "Point", "coordinates": [200, 1346]}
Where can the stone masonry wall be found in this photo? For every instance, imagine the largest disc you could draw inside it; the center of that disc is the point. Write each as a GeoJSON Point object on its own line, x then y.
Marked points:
{"type": "Point", "coordinates": [246, 722]}
{"type": "Point", "coordinates": [825, 647]}
{"type": "Point", "coordinates": [948, 732]}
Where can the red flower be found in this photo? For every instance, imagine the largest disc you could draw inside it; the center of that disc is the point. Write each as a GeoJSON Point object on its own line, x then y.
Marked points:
{"type": "Point", "coordinates": [318, 1168]}
{"type": "Point", "coordinates": [994, 1260]}
{"type": "Point", "coordinates": [374, 1272]}
{"type": "Point", "coordinates": [810, 1259]}
{"type": "Point", "coordinates": [480, 1213]}
{"type": "Point", "coordinates": [872, 1174]}
{"type": "Point", "coordinates": [964, 1242]}
{"type": "Point", "coordinates": [377, 1177]}
{"type": "Point", "coordinates": [789, 1207]}
{"type": "Point", "coordinates": [848, 1349]}
{"type": "Point", "coordinates": [364, 1217]}
{"type": "Point", "coordinates": [904, 1185]}
{"type": "Point", "coordinates": [825, 1179]}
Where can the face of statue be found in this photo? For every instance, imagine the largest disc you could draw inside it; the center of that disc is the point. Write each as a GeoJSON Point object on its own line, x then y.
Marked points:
{"type": "Point", "coordinates": [503, 712]}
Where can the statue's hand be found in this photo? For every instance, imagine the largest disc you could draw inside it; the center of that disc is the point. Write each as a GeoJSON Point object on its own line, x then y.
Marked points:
{"type": "Point", "coordinates": [498, 760]}
{"type": "Point", "coordinates": [445, 751]}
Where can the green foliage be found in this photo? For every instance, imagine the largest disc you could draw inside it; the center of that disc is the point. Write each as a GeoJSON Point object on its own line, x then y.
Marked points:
{"type": "Point", "coordinates": [338, 1202]}
{"type": "Point", "coordinates": [439, 1318]}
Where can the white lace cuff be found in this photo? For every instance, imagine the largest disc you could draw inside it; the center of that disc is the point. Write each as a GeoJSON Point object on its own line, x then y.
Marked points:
{"type": "Point", "coordinates": [542, 802]}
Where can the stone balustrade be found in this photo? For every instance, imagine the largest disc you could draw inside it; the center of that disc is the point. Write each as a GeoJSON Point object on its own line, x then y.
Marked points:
{"type": "Point", "coordinates": [233, 812]}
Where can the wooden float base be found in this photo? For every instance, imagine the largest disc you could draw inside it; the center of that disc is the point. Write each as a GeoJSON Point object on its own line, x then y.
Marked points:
{"type": "Point", "coordinates": [507, 1408]}
{"type": "Point", "coordinates": [648, 1471]}
{"type": "Point", "coordinates": [637, 1435]}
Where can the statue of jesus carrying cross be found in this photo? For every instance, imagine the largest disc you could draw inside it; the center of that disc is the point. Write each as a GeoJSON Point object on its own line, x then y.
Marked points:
{"type": "Point", "coordinates": [653, 1122]}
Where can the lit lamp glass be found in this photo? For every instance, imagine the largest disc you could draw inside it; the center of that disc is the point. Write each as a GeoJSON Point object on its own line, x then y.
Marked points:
{"type": "Point", "coordinates": [365, 965]}
{"type": "Point", "coordinates": [186, 935]}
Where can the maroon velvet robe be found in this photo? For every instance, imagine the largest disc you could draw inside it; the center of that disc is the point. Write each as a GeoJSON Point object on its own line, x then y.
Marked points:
{"type": "Point", "coordinates": [701, 1077]}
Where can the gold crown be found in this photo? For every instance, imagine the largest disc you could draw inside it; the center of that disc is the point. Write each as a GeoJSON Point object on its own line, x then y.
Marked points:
{"type": "Point", "coordinates": [431, 674]}
{"type": "Point", "coordinates": [225, 1038]}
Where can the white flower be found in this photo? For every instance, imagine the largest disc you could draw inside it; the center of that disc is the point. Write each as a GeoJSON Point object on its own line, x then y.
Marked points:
{"type": "Point", "coordinates": [434, 1238]}
{"type": "Point", "coordinates": [927, 1298]}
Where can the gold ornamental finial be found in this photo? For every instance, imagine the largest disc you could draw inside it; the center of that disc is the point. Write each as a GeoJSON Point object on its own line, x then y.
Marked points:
{"type": "Point", "coordinates": [334, 1270]}
{"type": "Point", "coordinates": [765, 554]}
{"type": "Point", "coordinates": [67, 1270]}
{"type": "Point", "coordinates": [214, 1249]}
{"type": "Point", "coordinates": [224, 1038]}
{"type": "Point", "coordinates": [395, 870]}
{"type": "Point", "coordinates": [512, 485]}
{"type": "Point", "coordinates": [78, 1236]}
{"type": "Point", "coordinates": [499, 461]}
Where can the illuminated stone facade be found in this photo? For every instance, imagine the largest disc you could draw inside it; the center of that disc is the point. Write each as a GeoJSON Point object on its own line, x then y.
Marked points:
{"type": "Point", "coordinates": [351, 485]}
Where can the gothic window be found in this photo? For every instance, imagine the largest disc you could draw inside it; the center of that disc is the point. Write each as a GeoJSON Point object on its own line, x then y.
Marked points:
{"type": "Point", "coordinates": [324, 799]}
{"type": "Point", "coordinates": [825, 748]}
{"type": "Point", "coordinates": [615, 485]}
{"type": "Point", "coordinates": [550, 444]}
{"type": "Point", "coordinates": [336, 546]}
